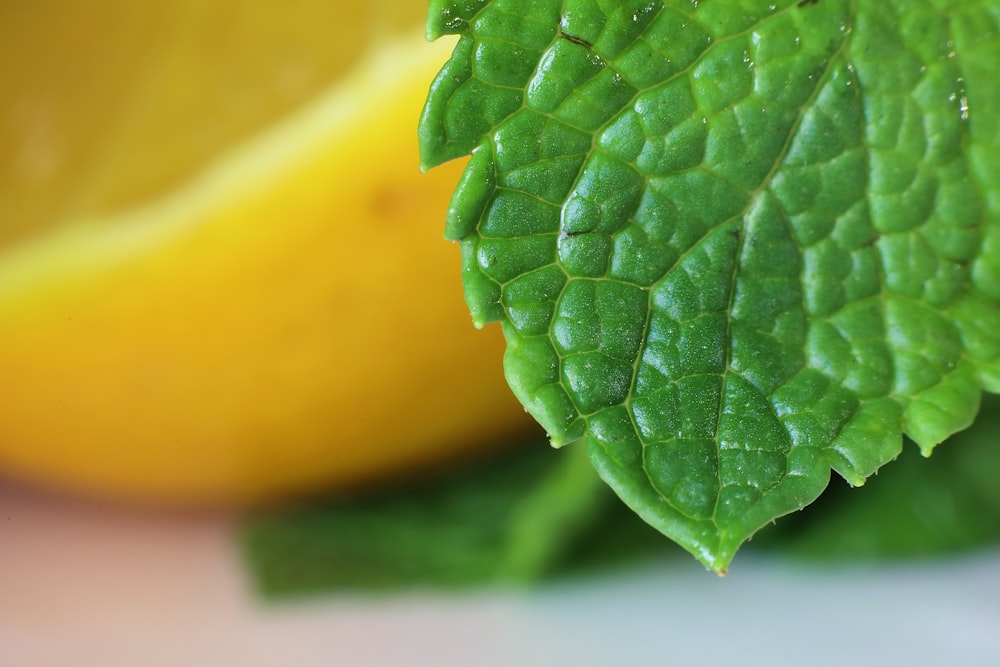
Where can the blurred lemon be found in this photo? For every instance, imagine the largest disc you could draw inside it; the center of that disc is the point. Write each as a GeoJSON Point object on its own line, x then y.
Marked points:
{"type": "Point", "coordinates": [222, 277]}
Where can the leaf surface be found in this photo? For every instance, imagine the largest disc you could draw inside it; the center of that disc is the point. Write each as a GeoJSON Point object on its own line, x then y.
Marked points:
{"type": "Point", "coordinates": [733, 245]}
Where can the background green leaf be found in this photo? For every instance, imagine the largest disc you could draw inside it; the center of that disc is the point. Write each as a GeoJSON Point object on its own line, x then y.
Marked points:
{"type": "Point", "coordinates": [531, 515]}
{"type": "Point", "coordinates": [733, 245]}
{"type": "Point", "coordinates": [517, 518]}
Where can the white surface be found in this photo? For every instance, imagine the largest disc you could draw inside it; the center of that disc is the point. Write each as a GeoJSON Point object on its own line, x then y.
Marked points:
{"type": "Point", "coordinates": [91, 586]}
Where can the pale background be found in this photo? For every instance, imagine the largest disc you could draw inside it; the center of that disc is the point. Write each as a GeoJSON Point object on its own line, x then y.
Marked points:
{"type": "Point", "coordinates": [91, 585]}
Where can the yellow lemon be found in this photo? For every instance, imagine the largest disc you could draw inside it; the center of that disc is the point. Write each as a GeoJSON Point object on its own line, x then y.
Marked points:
{"type": "Point", "coordinates": [222, 277]}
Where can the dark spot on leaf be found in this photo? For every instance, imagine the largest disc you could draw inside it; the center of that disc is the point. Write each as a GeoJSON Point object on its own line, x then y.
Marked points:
{"type": "Point", "coordinates": [806, 3]}
{"type": "Point", "coordinates": [576, 40]}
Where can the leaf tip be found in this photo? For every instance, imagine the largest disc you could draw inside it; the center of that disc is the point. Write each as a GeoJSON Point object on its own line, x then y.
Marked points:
{"type": "Point", "coordinates": [716, 560]}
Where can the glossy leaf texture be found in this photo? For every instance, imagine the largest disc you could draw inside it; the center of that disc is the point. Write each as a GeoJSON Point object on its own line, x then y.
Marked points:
{"type": "Point", "coordinates": [732, 244]}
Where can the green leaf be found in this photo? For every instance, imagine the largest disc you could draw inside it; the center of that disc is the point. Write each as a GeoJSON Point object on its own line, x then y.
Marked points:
{"type": "Point", "coordinates": [513, 519]}
{"type": "Point", "coordinates": [528, 516]}
{"type": "Point", "coordinates": [733, 245]}
{"type": "Point", "coordinates": [918, 508]}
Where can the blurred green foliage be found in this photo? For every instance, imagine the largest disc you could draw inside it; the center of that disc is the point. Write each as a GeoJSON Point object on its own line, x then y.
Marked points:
{"type": "Point", "coordinates": [534, 514]}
